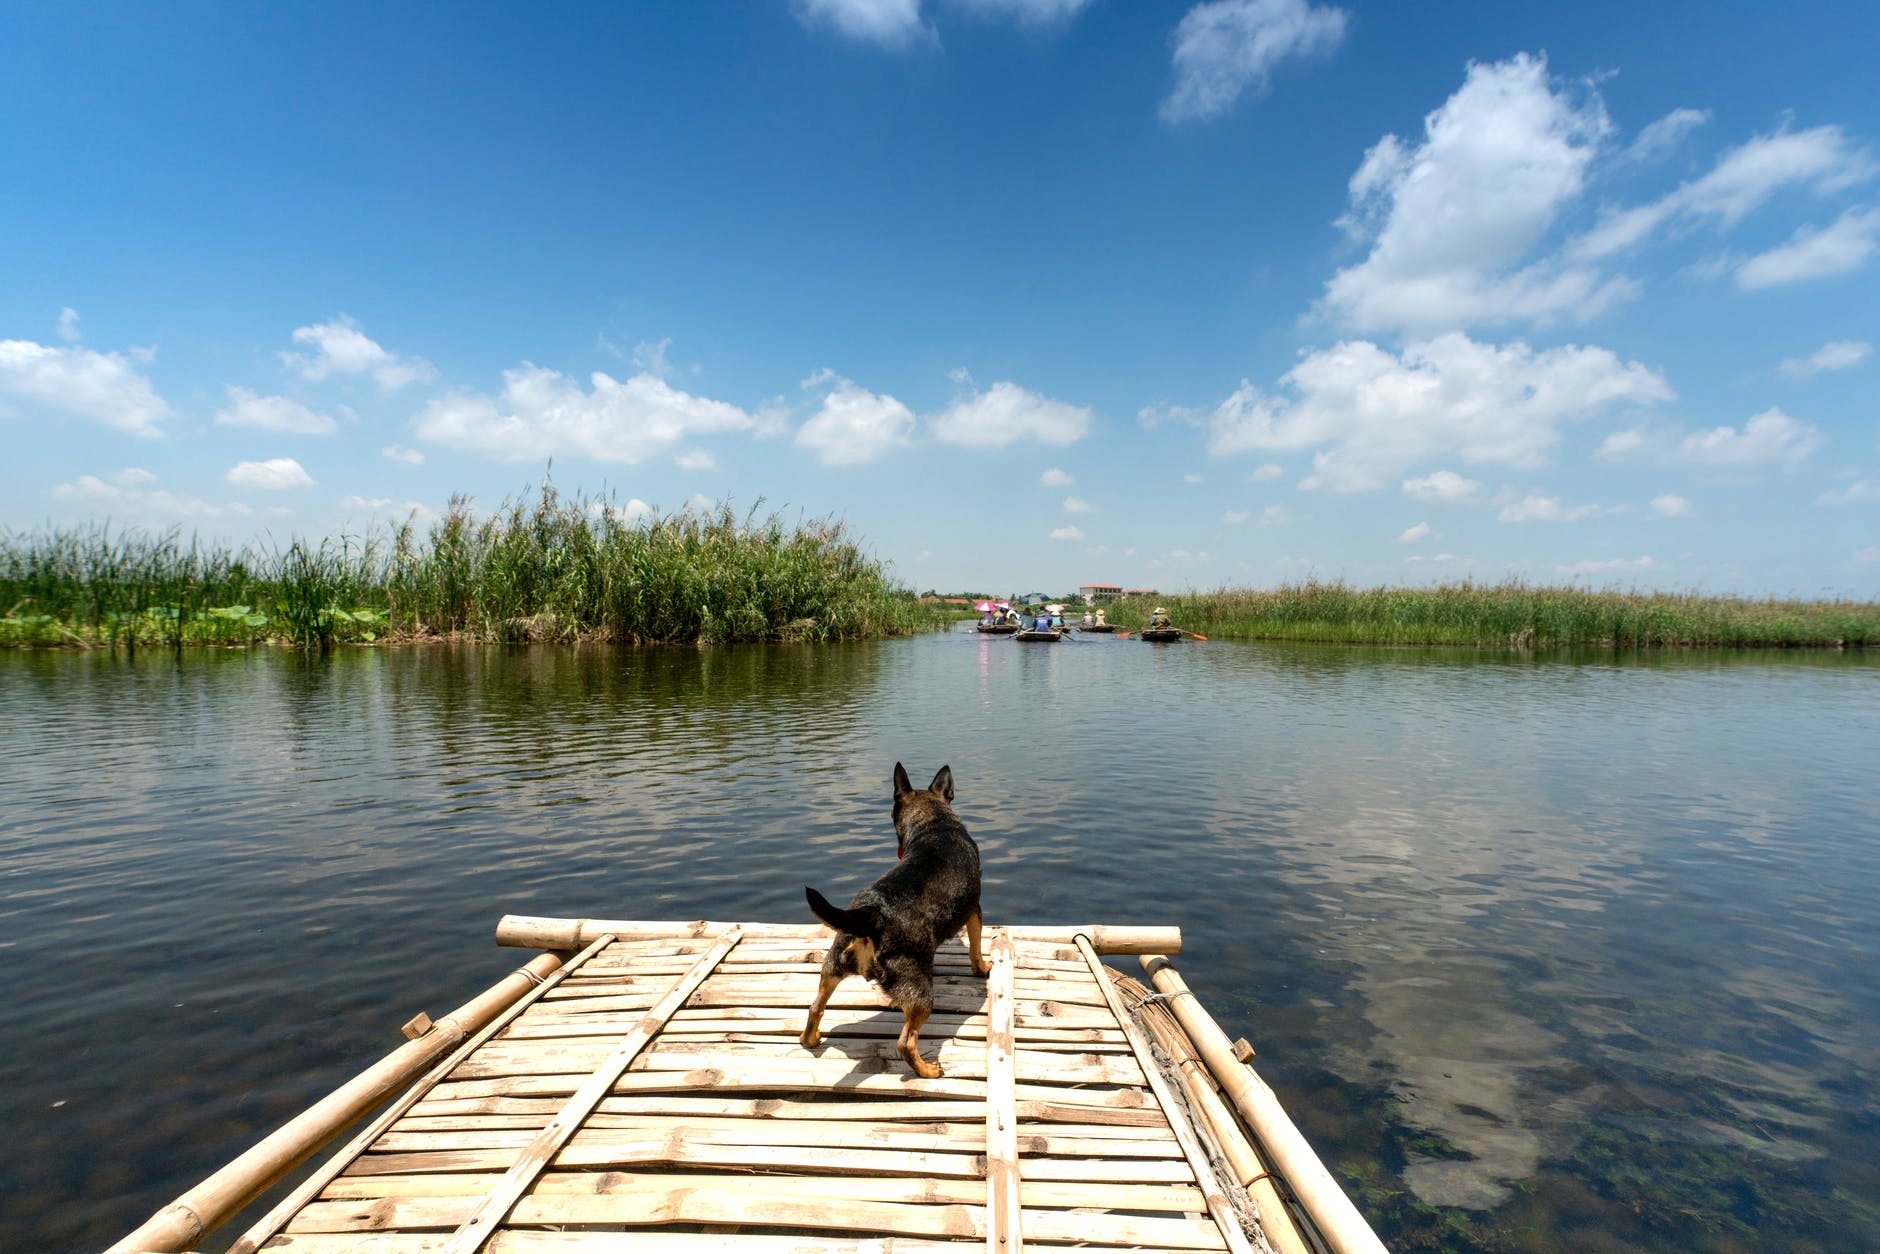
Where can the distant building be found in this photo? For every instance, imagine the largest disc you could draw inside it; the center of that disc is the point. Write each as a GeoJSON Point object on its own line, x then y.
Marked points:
{"type": "Point", "coordinates": [1031, 598]}
{"type": "Point", "coordinates": [1094, 592]}
{"type": "Point", "coordinates": [1141, 592]}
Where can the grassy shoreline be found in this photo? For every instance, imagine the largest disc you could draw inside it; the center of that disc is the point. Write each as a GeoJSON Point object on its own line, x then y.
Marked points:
{"type": "Point", "coordinates": [548, 569]}
{"type": "Point", "coordinates": [1514, 615]}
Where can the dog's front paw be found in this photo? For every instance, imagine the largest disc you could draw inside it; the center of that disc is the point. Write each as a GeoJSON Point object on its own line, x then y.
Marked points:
{"type": "Point", "coordinates": [811, 1038]}
{"type": "Point", "coordinates": [924, 1069]}
{"type": "Point", "coordinates": [983, 966]}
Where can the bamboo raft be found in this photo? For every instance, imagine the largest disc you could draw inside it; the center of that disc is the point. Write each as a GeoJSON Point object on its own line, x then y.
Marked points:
{"type": "Point", "coordinates": [640, 1087]}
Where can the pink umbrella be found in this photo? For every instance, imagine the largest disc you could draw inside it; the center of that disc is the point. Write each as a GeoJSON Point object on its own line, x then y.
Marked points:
{"type": "Point", "coordinates": [983, 606]}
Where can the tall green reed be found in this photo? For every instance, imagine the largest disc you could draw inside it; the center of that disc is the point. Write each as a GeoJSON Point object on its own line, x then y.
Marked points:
{"type": "Point", "coordinates": [1517, 614]}
{"type": "Point", "coordinates": [542, 567]}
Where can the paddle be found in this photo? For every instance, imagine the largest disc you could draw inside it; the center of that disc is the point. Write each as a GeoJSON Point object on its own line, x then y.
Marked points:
{"type": "Point", "coordinates": [1121, 634]}
{"type": "Point", "coordinates": [1197, 635]}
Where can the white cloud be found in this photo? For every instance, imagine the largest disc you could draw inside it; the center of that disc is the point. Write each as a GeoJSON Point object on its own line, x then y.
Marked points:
{"type": "Point", "coordinates": [1005, 413]}
{"type": "Point", "coordinates": [890, 23]}
{"type": "Point", "coordinates": [68, 325]}
{"type": "Point", "coordinates": [1162, 414]}
{"type": "Point", "coordinates": [131, 499]}
{"type": "Point", "coordinates": [1855, 493]}
{"type": "Point", "coordinates": [1623, 443]}
{"type": "Point", "coordinates": [1377, 413]}
{"type": "Point", "coordinates": [1823, 159]}
{"type": "Point", "coordinates": [544, 413]}
{"type": "Point", "coordinates": [341, 348]}
{"type": "Point", "coordinates": [1191, 478]}
{"type": "Point", "coordinates": [1657, 140]}
{"type": "Point", "coordinates": [1670, 505]}
{"type": "Point", "coordinates": [1236, 516]}
{"type": "Point", "coordinates": [273, 413]}
{"type": "Point", "coordinates": [1607, 567]}
{"type": "Point", "coordinates": [1443, 487]}
{"type": "Point", "coordinates": [696, 459]}
{"type": "Point", "coordinates": [1411, 535]}
{"type": "Point", "coordinates": [1077, 505]}
{"type": "Point", "coordinates": [105, 388]}
{"type": "Point", "coordinates": [634, 511]}
{"type": "Point", "coordinates": [402, 455]}
{"type": "Point", "coordinates": [1451, 220]}
{"type": "Point", "coordinates": [1067, 533]}
{"type": "Point", "coordinates": [1260, 474]}
{"type": "Point", "coordinates": [1275, 516]}
{"type": "Point", "coordinates": [276, 474]}
{"type": "Point", "coordinates": [1533, 508]}
{"type": "Point", "coordinates": [1025, 12]}
{"type": "Point", "coordinates": [1224, 47]}
{"type": "Point", "coordinates": [385, 507]}
{"type": "Point", "coordinates": [854, 425]}
{"type": "Point", "coordinates": [1865, 557]}
{"type": "Point", "coordinates": [650, 357]}
{"type": "Point", "coordinates": [1815, 252]}
{"type": "Point", "coordinates": [1837, 355]}
{"type": "Point", "coordinates": [1770, 437]}
{"type": "Point", "coordinates": [1054, 478]}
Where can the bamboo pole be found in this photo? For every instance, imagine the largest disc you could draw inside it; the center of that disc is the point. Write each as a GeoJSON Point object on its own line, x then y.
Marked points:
{"type": "Point", "coordinates": [1338, 1221]}
{"type": "Point", "coordinates": [1219, 1207]}
{"type": "Point", "coordinates": [1242, 1158]}
{"type": "Point", "coordinates": [184, 1222]}
{"type": "Point", "coordinates": [1005, 1233]}
{"type": "Point", "coordinates": [535, 932]}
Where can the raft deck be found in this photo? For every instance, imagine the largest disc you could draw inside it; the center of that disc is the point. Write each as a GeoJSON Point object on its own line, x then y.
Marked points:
{"type": "Point", "coordinates": [649, 1093]}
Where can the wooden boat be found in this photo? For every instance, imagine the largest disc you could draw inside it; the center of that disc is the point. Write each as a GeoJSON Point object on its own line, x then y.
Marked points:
{"type": "Point", "coordinates": [640, 1086]}
{"type": "Point", "coordinates": [1104, 628]}
{"type": "Point", "coordinates": [1040, 637]}
{"type": "Point", "coordinates": [1160, 635]}
{"type": "Point", "coordinates": [998, 629]}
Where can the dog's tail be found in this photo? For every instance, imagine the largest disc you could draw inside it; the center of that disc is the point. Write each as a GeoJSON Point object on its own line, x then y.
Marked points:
{"type": "Point", "coordinates": [865, 921]}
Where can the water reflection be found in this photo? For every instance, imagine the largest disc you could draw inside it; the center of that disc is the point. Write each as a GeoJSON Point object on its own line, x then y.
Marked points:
{"type": "Point", "coordinates": [1541, 937]}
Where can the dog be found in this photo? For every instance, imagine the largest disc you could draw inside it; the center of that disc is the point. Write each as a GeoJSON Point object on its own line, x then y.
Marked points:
{"type": "Point", "coordinates": [890, 931]}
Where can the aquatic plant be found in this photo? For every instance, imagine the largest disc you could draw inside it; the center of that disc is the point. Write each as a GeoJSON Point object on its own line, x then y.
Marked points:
{"type": "Point", "coordinates": [1514, 614]}
{"type": "Point", "coordinates": [542, 567]}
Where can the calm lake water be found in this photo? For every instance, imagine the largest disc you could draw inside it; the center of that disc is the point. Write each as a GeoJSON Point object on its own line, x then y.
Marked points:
{"type": "Point", "coordinates": [1542, 953]}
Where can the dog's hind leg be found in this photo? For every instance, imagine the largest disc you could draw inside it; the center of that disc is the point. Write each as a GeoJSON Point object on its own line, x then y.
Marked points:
{"type": "Point", "coordinates": [910, 1042]}
{"type": "Point", "coordinates": [973, 924]}
{"type": "Point", "coordinates": [812, 1027]}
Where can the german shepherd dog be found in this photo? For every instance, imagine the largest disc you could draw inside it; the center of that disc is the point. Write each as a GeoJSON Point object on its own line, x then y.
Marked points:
{"type": "Point", "coordinates": [890, 931]}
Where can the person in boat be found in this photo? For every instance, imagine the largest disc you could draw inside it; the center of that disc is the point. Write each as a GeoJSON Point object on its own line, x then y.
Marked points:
{"type": "Point", "coordinates": [1043, 623]}
{"type": "Point", "coordinates": [1057, 622]}
{"type": "Point", "coordinates": [1086, 620]}
{"type": "Point", "coordinates": [1100, 621]}
{"type": "Point", "coordinates": [1158, 618]}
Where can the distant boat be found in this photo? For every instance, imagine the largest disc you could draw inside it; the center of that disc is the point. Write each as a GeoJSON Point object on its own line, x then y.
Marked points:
{"type": "Point", "coordinates": [1160, 635]}
{"type": "Point", "coordinates": [1040, 637]}
{"type": "Point", "coordinates": [1105, 628]}
{"type": "Point", "coordinates": [998, 629]}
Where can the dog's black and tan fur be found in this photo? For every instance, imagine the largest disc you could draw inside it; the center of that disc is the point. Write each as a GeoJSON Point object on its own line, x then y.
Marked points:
{"type": "Point", "coordinates": [890, 931]}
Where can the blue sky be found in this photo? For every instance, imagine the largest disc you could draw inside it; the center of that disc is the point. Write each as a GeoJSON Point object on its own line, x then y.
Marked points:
{"type": "Point", "coordinates": [1033, 293]}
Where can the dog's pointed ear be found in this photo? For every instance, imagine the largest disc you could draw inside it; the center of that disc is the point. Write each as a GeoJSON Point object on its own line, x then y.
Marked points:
{"type": "Point", "coordinates": [943, 783]}
{"type": "Point", "coordinates": [902, 785]}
